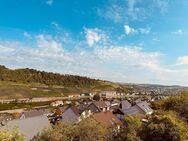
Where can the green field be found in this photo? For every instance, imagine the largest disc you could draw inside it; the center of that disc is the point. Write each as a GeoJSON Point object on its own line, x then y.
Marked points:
{"type": "Point", "coordinates": [15, 90]}
{"type": "Point", "coordinates": [13, 105]}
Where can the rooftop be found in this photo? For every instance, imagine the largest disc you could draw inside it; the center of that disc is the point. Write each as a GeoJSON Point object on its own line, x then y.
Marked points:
{"type": "Point", "coordinates": [107, 119]}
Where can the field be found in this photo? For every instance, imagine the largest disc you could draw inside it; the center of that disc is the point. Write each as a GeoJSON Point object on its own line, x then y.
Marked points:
{"type": "Point", "coordinates": [15, 90]}
{"type": "Point", "coordinates": [30, 105]}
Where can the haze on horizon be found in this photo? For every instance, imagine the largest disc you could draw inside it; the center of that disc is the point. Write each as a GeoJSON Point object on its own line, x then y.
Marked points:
{"type": "Point", "coordinates": [136, 41]}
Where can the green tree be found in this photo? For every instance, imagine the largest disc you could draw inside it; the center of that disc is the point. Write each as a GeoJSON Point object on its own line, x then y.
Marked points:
{"type": "Point", "coordinates": [96, 97]}
{"type": "Point", "coordinates": [129, 132]}
{"type": "Point", "coordinates": [164, 126]}
{"type": "Point", "coordinates": [177, 103]}
{"type": "Point", "coordinates": [91, 130]}
{"type": "Point", "coordinates": [60, 132]}
{"type": "Point", "coordinates": [13, 135]}
{"type": "Point", "coordinates": [87, 130]}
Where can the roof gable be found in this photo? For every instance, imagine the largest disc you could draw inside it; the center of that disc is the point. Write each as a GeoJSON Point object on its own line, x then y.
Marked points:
{"type": "Point", "coordinates": [144, 106]}
{"type": "Point", "coordinates": [107, 119]}
{"type": "Point", "coordinates": [29, 114]}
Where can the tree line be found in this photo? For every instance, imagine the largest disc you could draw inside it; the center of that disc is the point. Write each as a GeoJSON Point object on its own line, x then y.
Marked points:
{"type": "Point", "coordinates": [48, 78]}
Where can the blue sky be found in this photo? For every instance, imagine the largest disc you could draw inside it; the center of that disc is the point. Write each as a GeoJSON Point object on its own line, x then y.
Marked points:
{"type": "Point", "coordinates": [137, 41]}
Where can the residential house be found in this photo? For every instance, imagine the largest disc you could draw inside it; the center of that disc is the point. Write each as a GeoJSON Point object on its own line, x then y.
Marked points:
{"type": "Point", "coordinates": [30, 124]}
{"type": "Point", "coordinates": [98, 106]}
{"type": "Point", "coordinates": [57, 103]}
{"type": "Point", "coordinates": [140, 108]}
{"type": "Point", "coordinates": [114, 105]}
{"type": "Point", "coordinates": [144, 106]}
{"type": "Point", "coordinates": [124, 104]}
{"type": "Point", "coordinates": [74, 95]}
{"type": "Point", "coordinates": [108, 120]}
{"type": "Point", "coordinates": [32, 113]}
{"type": "Point", "coordinates": [108, 94]}
{"type": "Point", "coordinates": [86, 95]}
{"type": "Point", "coordinates": [75, 114]}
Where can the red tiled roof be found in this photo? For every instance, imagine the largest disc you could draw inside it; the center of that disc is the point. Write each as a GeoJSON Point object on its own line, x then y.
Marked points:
{"type": "Point", "coordinates": [107, 119]}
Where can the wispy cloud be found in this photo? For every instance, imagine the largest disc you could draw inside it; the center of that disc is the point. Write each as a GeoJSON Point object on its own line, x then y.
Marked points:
{"type": "Point", "coordinates": [178, 32]}
{"type": "Point", "coordinates": [50, 54]}
{"type": "Point", "coordinates": [27, 35]}
{"type": "Point", "coordinates": [130, 30]}
{"type": "Point", "coordinates": [105, 61]}
{"type": "Point", "coordinates": [113, 12]}
{"type": "Point", "coordinates": [162, 5]}
{"type": "Point", "coordinates": [183, 60]}
{"type": "Point", "coordinates": [136, 10]}
{"type": "Point", "coordinates": [49, 2]}
{"type": "Point", "coordinates": [94, 35]}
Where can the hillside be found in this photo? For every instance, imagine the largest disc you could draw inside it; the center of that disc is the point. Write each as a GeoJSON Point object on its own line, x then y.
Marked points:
{"type": "Point", "coordinates": [48, 78]}
{"type": "Point", "coordinates": [24, 83]}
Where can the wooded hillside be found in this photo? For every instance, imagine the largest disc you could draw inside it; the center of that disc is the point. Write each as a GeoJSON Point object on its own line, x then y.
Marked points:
{"type": "Point", "coordinates": [48, 78]}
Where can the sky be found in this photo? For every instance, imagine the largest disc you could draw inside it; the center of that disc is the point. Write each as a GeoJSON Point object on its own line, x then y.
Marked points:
{"type": "Point", "coordinates": [131, 41]}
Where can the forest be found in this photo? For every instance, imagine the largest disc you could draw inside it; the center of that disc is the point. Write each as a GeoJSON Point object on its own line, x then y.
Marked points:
{"type": "Point", "coordinates": [48, 78]}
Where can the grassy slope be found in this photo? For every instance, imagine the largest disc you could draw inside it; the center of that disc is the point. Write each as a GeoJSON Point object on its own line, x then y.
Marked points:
{"type": "Point", "coordinates": [12, 90]}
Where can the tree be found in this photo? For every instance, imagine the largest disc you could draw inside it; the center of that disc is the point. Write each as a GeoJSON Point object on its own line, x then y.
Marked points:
{"type": "Point", "coordinates": [87, 130]}
{"type": "Point", "coordinates": [91, 130]}
{"type": "Point", "coordinates": [96, 97]}
{"type": "Point", "coordinates": [164, 126]}
{"type": "Point", "coordinates": [13, 135]}
{"type": "Point", "coordinates": [129, 132]}
{"type": "Point", "coordinates": [177, 103]}
{"type": "Point", "coordinates": [60, 132]}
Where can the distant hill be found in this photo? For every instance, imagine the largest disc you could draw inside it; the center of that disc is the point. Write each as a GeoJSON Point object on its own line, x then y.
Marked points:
{"type": "Point", "coordinates": [29, 83]}
{"type": "Point", "coordinates": [48, 78]}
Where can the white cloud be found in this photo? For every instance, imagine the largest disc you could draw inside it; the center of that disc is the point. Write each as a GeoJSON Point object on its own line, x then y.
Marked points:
{"type": "Point", "coordinates": [178, 32]}
{"type": "Point", "coordinates": [129, 30]}
{"type": "Point", "coordinates": [120, 11]}
{"type": "Point", "coordinates": [27, 35]}
{"type": "Point", "coordinates": [55, 24]}
{"type": "Point", "coordinates": [144, 30]}
{"type": "Point", "coordinates": [113, 12]}
{"type": "Point", "coordinates": [110, 62]}
{"type": "Point", "coordinates": [162, 5]}
{"type": "Point", "coordinates": [183, 60]}
{"type": "Point", "coordinates": [136, 12]}
{"type": "Point", "coordinates": [94, 35]}
{"type": "Point", "coordinates": [129, 56]}
{"type": "Point", "coordinates": [49, 2]}
{"type": "Point", "coordinates": [155, 39]}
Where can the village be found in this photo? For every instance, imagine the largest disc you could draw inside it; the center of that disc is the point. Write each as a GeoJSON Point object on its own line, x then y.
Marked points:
{"type": "Point", "coordinates": [108, 108]}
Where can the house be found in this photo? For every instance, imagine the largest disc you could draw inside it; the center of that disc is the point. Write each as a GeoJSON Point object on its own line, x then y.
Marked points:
{"type": "Point", "coordinates": [86, 94]}
{"type": "Point", "coordinates": [124, 104]}
{"type": "Point", "coordinates": [144, 106]}
{"type": "Point", "coordinates": [74, 95]}
{"type": "Point", "coordinates": [75, 114]}
{"type": "Point", "coordinates": [141, 108]}
{"type": "Point", "coordinates": [57, 103]}
{"type": "Point", "coordinates": [98, 106]}
{"type": "Point", "coordinates": [108, 120]}
{"type": "Point", "coordinates": [108, 94]}
{"type": "Point", "coordinates": [29, 114]}
{"type": "Point", "coordinates": [115, 103]}
{"type": "Point", "coordinates": [29, 125]}
{"type": "Point", "coordinates": [138, 100]}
